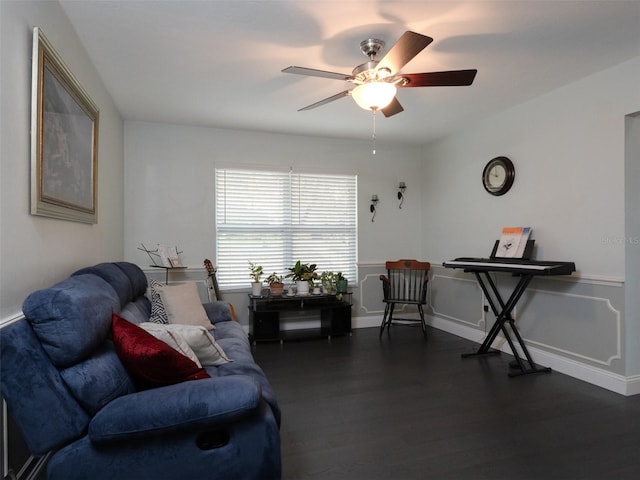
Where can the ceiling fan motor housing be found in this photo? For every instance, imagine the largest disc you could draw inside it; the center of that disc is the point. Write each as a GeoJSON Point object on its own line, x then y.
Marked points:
{"type": "Point", "coordinates": [366, 72]}
{"type": "Point", "coordinates": [371, 46]}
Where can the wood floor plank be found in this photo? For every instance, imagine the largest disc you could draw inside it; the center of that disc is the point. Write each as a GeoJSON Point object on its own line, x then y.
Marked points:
{"type": "Point", "coordinates": [406, 408]}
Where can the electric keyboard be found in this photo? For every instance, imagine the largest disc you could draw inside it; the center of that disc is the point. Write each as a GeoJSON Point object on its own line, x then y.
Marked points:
{"type": "Point", "coordinates": [511, 265]}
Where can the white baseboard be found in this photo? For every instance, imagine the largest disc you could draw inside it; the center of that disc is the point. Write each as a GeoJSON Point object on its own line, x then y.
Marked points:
{"type": "Point", "coordinates": [366, 322]}
{"type": "Point", "coordinates": [596, 376]}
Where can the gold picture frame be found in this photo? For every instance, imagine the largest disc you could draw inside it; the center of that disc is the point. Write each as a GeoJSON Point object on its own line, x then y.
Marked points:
{"type": "Point", "coordinates": [64, 139]}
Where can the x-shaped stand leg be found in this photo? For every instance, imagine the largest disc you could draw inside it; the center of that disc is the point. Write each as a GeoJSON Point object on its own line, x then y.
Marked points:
{"type": "Point", "coordinates": [503, 311]}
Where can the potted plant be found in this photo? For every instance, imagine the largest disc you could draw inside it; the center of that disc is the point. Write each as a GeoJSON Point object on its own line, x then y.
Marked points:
{"type": "Point", "coordinates": [328, 282]}
{"type": "Point", "coordinates": [256, 273]}
{"type": "Point", "coordinates": [341, 283]}
{"type": "Point", "coordinates": [303, 274]}
{"type": "Point", "coordinates": [275, 283]}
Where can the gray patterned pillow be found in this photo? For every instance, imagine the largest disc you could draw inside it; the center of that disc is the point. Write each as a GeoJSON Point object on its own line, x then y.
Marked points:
{"type": "Point", "coordinates": [158, 310]}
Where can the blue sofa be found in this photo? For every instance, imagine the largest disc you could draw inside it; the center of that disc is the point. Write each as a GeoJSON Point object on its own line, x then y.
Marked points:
{"type": "Point", "coordinates": [70, 394]}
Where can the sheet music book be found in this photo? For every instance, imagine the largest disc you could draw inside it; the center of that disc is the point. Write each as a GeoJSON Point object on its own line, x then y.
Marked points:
{"type": "Point", "coordinates": [169, 256]}
{"type": "Point", "coordinates": [526, 232]}
{"type": "Point", "coordinates": [513, 242]}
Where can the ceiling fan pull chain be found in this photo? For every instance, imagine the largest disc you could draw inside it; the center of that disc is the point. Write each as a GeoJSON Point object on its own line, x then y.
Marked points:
{"type": "Point", "coordinates": [373, 137]}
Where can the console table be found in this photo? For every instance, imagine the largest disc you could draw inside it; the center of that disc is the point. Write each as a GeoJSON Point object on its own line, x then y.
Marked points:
{"type": "Point", "coordinates": [265, 310]}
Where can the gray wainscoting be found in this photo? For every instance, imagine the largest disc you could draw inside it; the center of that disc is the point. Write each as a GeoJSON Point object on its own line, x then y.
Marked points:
{"type": "Point", "coordinates": [577, 318]}
{"type": "Point", "coordinates": [576, 325]}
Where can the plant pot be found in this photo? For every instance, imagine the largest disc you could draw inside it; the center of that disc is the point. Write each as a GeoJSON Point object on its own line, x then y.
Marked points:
{"type": "Point", "coordinates": [302, 286]}
{"type": "Point", "coordinates": [276, 288]}
{"type": "Point", "coordinates": [256, 289]}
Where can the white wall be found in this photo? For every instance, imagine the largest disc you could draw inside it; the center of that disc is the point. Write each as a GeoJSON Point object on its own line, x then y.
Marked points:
{"type": "Point", "coordinates": [169, 192]}
{"type": "Point", "coordinates": [568, 148]}
{"type": "Point", "coordinates": [568, 151]}
{"type": "Point", "coordinates": [37, 251]}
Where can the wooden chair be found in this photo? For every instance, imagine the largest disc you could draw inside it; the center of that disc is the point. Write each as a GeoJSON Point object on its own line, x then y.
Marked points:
{"type": "Point", "coordinates": [405, 283]}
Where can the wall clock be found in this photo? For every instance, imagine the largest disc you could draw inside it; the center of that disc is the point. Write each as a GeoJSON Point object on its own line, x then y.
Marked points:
{"type": "Point", "coordinates": [498, 176]}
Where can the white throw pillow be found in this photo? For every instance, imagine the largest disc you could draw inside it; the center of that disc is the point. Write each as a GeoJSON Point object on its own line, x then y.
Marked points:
{"type": "Point", "coordinates": [183, 306]}
{"type": "Point", "coordinates": [171, 338]}
{"type": "Point", "coordinates": [200, 341]}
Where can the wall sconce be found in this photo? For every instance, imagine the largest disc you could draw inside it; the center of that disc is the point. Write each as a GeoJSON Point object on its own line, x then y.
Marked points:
{"type": "Point", "coordinates": [402, 187]}
{"type": "Point", "coordinates": [372, 208]}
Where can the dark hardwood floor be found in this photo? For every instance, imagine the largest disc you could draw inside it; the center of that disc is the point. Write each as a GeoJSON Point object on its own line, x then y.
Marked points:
{"type": "Point", "coordinates": [405, 408]}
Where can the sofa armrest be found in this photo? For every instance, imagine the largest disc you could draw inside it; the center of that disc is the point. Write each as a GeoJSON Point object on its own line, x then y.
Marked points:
{"type": "Point", "coordinates": [179, 407]}
{"type": "Point", "coordinates": [218, 311]}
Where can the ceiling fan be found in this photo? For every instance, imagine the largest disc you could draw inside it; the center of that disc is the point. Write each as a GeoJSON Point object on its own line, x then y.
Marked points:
{"type": "Point", "coordinates": [376, 81]}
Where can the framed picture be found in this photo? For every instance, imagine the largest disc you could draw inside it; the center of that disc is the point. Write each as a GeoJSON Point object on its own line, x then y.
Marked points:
{"type": "Point", "coordinates": [64, 140]}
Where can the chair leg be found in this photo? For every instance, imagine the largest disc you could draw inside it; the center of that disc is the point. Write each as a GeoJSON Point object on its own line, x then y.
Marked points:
{"type": "Point", "coordinates": [384, 318]}
{"type": "Point", "coordinates": [423, 323]}
{"type": "Point", "coordinates": [390, 319]}
{"type": "Point", "coordinates": [391, 306]}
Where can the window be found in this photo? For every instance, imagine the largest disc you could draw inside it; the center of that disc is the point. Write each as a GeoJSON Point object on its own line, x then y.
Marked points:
{"type": "Point", "coordinates": [276, 218]}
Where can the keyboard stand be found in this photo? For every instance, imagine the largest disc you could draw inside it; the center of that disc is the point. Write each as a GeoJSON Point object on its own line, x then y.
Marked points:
{"type": "Point", "coordinates": [503, 311]}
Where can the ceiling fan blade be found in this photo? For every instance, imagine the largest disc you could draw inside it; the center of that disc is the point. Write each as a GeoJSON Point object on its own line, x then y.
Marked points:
{"type": "Point", "coordinates": [408, 46]}
{"type": "Point", "coordinates": [393, 108]}
{"type": "Point", "coordinates": [453, 78]}
{"type": "Point", "coordinates": [327, 100]}
{"type": "Point", "coordinates": [312, 72]}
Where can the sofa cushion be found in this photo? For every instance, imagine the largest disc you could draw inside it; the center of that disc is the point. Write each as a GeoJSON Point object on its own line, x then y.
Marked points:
{"type": "Point", "coordinates": [198, 338]}
{"type": "Point", "coordinates": [114, 276]}
{"type": "Point", "coordinates": [72, 318]}
{"type": "Point", "coordinates": [231, 330]}
{"type": "Point", "coordinates": [218, 311]}
{"type": "Point", "coordinates": [137, 311]}
{"type": "Point", "coordinates": [183, 305]}
{"type": "Point", "coordinates": [98, 380]}
{"type": "Point", "coordinates": [243, 364]}
{"type": "Point", "coordinates": [136, 276]}
{"type": "Point", "coordinates": [151, 362]}
{"type": "Point", "coordinates": [48, 414]}
{"type": "Point", "coordinates": [176, 408]}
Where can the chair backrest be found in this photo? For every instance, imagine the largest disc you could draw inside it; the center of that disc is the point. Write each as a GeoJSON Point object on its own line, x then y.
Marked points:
{"type": "Point", "coordinates": [406, 281]}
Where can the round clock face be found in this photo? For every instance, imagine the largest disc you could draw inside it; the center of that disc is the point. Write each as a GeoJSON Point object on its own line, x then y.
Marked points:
{"type": "Point", "coordinates": [498, 176]}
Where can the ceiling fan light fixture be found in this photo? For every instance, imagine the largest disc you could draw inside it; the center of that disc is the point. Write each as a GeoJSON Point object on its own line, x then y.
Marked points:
{"type": "Point", "coordinates": [374, 95]}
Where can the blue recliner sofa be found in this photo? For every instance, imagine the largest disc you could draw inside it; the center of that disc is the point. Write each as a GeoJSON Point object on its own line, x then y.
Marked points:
{"type": "Point", "coordinates": [70, 394]}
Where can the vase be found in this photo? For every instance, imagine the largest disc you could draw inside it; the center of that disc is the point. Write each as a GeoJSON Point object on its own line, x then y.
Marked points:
{"type": "Point", "coordinates": [341, 286]}
{"type": "Point", "coordinates": [276, 288]}
{"type": "Point", "coordinates": [302, 287]}
{"type": "Point", "coordinates": [256, 289]}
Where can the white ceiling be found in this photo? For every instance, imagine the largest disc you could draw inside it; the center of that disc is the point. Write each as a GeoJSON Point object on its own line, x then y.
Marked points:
{"type": "Point", "coordinates": [218, 63]}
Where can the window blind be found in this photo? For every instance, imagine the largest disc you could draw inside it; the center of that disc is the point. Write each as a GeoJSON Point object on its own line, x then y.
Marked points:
{"type": "Point", "coordinates": [277, 218]}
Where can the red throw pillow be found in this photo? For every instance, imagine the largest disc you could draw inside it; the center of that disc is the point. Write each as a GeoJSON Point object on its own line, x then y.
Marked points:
{"type": "Point", "coordinates": [151, 362]}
